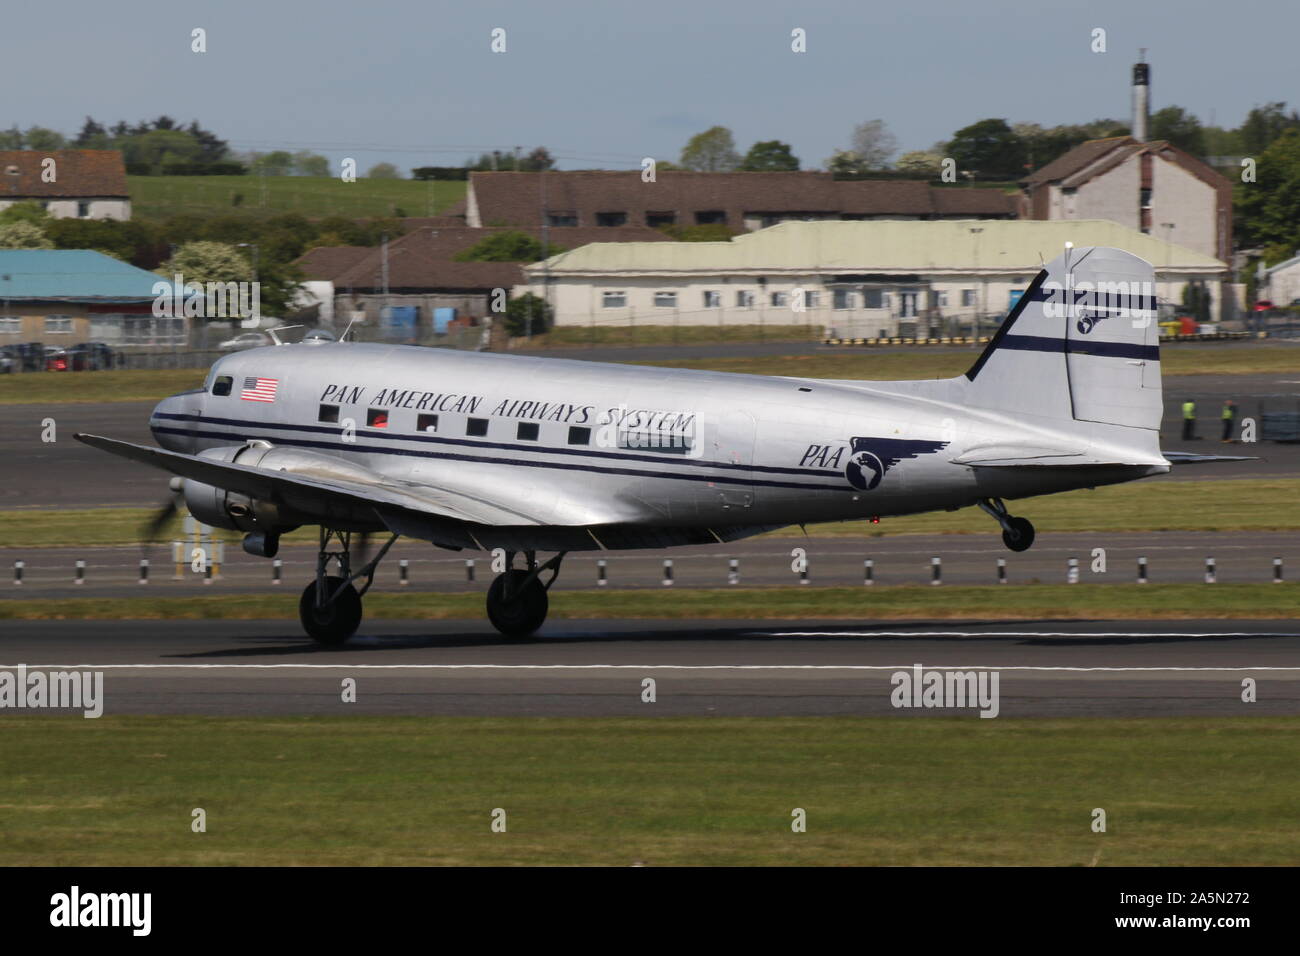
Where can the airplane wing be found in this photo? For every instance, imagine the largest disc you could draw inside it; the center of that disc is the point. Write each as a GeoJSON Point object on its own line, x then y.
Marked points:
{"type": "Point", "coordinates": [392, 500]}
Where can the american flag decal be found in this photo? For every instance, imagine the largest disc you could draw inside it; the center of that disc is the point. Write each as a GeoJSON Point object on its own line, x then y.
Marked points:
{"type": "Point", "coordinates": [259, 389]}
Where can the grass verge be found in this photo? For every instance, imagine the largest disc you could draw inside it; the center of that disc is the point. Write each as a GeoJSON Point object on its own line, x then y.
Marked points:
{"type": "Point", "coordinates": [617, 791]}
{"type": "Point", "coordinates": [1249, 504]}
{"type": "Point", "coordinates": [1181, 601]}
{"type": "Point", "coordinates": [158, 197]}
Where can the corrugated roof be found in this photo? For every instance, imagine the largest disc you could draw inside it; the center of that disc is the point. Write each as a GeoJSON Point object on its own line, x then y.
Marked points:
{"type": "Point", "coordinates": [77, 275]}
{"type": "Point", "coordinates": [879, 246]}
{"type": "Point", "coordinates": [79, 173]}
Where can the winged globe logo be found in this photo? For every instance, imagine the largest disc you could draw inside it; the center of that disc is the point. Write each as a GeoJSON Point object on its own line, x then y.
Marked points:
{"type": "Point", "coordinates": [871, 458]}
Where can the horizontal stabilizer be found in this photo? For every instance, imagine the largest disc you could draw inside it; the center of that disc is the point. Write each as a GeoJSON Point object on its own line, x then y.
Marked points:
{"type": "Point", "coordinates": [1191, 458]}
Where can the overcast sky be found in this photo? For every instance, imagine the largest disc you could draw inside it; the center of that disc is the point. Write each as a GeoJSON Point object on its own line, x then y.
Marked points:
{"type": "Point", "coordinates": [605, 83]}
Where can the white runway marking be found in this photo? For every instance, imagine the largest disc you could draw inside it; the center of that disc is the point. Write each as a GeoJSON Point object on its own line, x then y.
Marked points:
{"type": "Point", "coordinates": [1019, 634]}
{"type": "Point", "coordinates": [637, 667]}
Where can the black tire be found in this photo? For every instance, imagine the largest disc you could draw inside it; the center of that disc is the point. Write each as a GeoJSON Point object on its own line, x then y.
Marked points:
{"type": "Point", "coordinates": [1021, 535]}
{"type": "Point", "coordinates": [333, 624]}
{"type": "Point", "coordinates": [525, 612]}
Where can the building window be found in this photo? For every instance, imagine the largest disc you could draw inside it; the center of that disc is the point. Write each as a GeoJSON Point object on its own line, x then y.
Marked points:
{"type": "Point", "coordinates": [58, 324]}
{"type": "Point", "coordinates": [780, 299]}
{"type": "Point", "coordinates": [886, 300]}
{"type": "Point", "coordinates": [968, 297]}
{"type": "Point", "coordinates": [1146, 199]}
{"type": "Point", "coordinates": [841, 299]}
{"type": "Point", "coordinates": [613, 300]}
{"type": "Point", "coordinates": [476, 427]}
{"type": "Point", "coordinates": [811, 299]}
{"type": "Point", "coordinates": [710, 217]}
{"type": "Point", "coordinates": [377, 417]}
{"type": "Point", "coordinates": [328, 413]}
{"type": "Point", "coordinates": [562, 218]}
{"type": "Point", "coordinates": [712, 300]}
{"type": "Point", "coordinates": [10, 324]}
{"type": "Point", "coordinates": [666, 300]}
{"type": "Point", "coordinates": [579, 435]}
{"type": "Point", "coordinates": [83, 210]}
{"type": "Point", "coordinates": [941, 299]}
{"type": "Point", "coordinates": [221, 385]}
{"type": "Point", "coordinates": [426, 423]}
{"type": "Point", "coordinates": [744, 299]}
{"type": "Point", "coordinates": [611, 219]}
{"type": "Point", "coordinates": [527, 431]}
{"type": "Point", "coordinates": [656, 219]}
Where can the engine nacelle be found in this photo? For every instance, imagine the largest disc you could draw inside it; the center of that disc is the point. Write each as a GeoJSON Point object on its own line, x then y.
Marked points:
{"type": "Point", "coordinates": [237, 512]}
{"type": "Point", "coordinates": [227, 509]}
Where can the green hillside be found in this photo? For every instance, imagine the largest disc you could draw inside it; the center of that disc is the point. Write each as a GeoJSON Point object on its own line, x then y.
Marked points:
{"type": "Point", "coordinates": [157, 197]}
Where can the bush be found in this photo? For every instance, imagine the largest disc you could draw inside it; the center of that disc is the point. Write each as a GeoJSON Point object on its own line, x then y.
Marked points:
{"type": "Point", "coordinates": [528, 315]}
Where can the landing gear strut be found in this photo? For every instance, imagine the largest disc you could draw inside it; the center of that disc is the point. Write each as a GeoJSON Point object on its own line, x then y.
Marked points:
{"type": "Point", "coordinates": [1017, 533]}
{"type": "Point", "coordinates": [516, 601]}
{"type": "Point", "coordinates": [330, 607]}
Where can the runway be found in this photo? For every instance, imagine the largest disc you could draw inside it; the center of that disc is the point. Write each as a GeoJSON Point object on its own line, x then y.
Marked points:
{"type": "Point", "coordinates": [724, 668]}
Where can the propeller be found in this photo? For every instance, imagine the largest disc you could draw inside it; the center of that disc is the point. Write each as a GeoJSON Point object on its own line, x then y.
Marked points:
{"type": "Point", "coordinates": [159, 519]}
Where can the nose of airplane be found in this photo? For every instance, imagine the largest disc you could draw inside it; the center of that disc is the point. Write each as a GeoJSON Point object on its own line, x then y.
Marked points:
{"type": "Point", "coordinates": [172, 421]}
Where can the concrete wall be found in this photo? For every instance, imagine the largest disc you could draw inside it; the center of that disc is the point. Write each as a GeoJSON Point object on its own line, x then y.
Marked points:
{"type": "Point", "coordinates": [1190, 204]}
{"type": "Point", "coordinates": [1115, 195]}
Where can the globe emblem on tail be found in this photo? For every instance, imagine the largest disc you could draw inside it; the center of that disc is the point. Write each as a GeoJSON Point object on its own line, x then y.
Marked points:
{"type": "Point", "coordinates": [871, 458]}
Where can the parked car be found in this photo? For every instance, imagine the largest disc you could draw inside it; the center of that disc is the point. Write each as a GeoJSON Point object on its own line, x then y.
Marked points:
{"type": "Point", "coordinates": [56, 359]}
{"type": "Point", "coordinates": [9, 360]}
{"type": "Point", "coordinates": [90, 357]}
{"type": "Point", "coordinates": [249, 340]}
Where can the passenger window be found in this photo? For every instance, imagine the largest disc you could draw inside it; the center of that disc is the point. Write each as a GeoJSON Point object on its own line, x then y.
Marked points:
{"type": "Point", "coordinates": [579, 435]}
{"type": "Point", "coordinates": [426, 423]}
{"type": "Point", "coordinates": [328, 413]}
{"type": "Point", "coordinates": [527, 431]}
{"type": "Point", "coordinates": [222, 385]}
{"type": "Point", "coordinates": [377, 418]}
{"type": "Point", "coordinates": [476, 427]}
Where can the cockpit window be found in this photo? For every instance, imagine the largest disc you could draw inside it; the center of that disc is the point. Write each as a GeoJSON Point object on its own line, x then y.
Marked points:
{"type": "Point", "coordinates": [222, 385]}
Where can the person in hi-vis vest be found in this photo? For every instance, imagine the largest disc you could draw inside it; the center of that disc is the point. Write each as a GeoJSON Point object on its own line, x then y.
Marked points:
{"type": "Point", "coordinates": [1229, 417]}
{"type": "Point", "coordinates": [1189, 420]}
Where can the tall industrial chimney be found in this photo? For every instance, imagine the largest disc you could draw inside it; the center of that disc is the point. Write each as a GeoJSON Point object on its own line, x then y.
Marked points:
{"type": "Point", "coordinates": [1141, 100]}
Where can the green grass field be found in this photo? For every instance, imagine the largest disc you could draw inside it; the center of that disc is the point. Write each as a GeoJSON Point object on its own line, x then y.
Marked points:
{"type": "Point", "coordinates": [119, 791]}
{"type": "Point", "coordinates": [157, 197]}
{"type": "Point", "coordinates": [1247, 504]}
{"type": "Point", "coordinates": [1089, 601]}
{"type": "Point", "coordinates": [153, 384]}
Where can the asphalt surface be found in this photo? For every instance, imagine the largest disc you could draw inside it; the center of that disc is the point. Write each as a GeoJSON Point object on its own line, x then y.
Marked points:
{"type": "Point", "coordinates": [68, 474]}
{"type": "Point", "coordinates": [1172, 556]}
{"type": "Point", "coordinates": [727, 668]}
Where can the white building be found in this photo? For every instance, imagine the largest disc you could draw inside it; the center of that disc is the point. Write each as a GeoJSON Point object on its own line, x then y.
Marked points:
{"type": "Point", "coordinates": [853, 279]}
{"type": "Point", "coordinates": [1281, 284]}
{"type": "Point", "coordinates": [67, 183]}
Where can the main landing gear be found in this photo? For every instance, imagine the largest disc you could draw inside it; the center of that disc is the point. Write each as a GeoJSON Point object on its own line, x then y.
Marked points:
{"type": "Point", "coordinates": [330, 607]}
{"type": "Point", "coordinates": [516, 601]}
{"type": "Point", "coordinates": [1017, 533]}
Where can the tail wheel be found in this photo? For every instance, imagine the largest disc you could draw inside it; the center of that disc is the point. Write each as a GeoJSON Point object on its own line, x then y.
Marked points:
{"type": "Point", "coordinates": [526, 610]}
{"type": "Point", "coordinates": [1020, 535]}
{"type": "Point", "coordinates": [335, 622]}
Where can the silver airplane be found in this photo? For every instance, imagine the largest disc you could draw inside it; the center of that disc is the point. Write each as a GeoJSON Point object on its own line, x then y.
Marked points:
{"type": "Point", "coordinates": [481, 451]}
